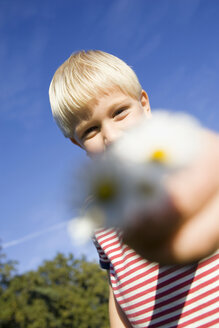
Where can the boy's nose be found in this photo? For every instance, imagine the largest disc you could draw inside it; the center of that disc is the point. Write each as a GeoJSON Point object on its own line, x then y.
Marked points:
{"type": "Point", "coordinates": [110, 135]}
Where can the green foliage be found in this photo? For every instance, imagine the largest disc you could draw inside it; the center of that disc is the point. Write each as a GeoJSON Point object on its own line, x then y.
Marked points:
{"type": "Point", "coordinates": [62, 293]}
{"type": "Point", "coordinates": [7, 268]}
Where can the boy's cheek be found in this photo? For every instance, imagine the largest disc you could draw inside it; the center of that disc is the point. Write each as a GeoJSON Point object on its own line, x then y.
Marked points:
{"type": "Point", "coordinates": [135, 117]}
{"type": "Point", "coordinates": [94, 147]}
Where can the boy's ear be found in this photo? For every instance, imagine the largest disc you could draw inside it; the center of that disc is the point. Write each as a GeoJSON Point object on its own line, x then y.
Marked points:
{"type": "Point", "coordinates": [75, 142]}
{"type": "Point", "coordinates": [145, 102]}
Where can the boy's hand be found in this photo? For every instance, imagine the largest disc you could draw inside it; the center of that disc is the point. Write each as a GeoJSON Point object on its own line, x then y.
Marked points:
{"type": "Point", "coordinates": [187, 228]}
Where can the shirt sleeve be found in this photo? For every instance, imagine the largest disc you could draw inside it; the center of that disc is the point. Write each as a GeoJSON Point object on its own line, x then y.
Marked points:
{"type": "Point", "coordinates": [103, 259]}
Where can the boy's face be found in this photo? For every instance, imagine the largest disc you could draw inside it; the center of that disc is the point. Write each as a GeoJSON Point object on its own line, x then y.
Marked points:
{"type": "Point", "coordinates": [106, 119]}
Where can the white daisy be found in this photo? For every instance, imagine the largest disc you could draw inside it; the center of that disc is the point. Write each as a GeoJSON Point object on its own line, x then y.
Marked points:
{"type": "Point", "coordinates": [105, 182]}
{"type": "Point", "coordinates": [120, 184]}
{"type": "Point", "coordinates": [81, 229]}
{"type": "Point", "coordinates": [146, 191]}
{"type": "Point", "coordinates": [172, 139]}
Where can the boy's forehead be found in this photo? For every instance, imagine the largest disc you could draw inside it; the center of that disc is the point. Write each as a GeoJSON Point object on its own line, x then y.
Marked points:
{"type": "Point", "coordinates": [107, 100]}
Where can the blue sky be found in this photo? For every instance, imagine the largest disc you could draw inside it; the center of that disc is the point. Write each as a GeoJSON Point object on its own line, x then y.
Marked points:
{"type": "Point", "coordinates": [173, 46]}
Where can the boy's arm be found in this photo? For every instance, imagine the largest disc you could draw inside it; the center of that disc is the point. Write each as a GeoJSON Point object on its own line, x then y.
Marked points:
{"type": "Point", "coordinates": [194, 195]}
{"type": "Point", "coordinates": [117, 317]}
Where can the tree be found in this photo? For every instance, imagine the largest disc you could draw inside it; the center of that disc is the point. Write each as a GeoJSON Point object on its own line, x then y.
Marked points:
{"type": "Point", "coordinates": [65, 292]}
{"type": "Point", "coordinates": [7, 269]}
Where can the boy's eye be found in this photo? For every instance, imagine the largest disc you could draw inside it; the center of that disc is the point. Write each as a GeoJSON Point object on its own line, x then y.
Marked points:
{"type": "Point", "coordinates": [89, 131]}
{"type": "Point", "coordinates": [119, 111]}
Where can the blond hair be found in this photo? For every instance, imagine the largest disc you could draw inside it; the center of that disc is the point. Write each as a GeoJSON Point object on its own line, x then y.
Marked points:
{"type": "Point", "coordinates": [83, 77]}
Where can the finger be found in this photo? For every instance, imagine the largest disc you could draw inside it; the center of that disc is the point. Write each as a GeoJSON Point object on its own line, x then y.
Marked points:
{"type": "Point", "coordinates": [191, 188]}
{"type": "Point", "coordinates": [199, 236]}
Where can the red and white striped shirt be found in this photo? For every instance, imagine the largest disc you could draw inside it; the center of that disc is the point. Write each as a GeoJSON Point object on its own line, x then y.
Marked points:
{"type": "Point", "coordinates": [152, 295]}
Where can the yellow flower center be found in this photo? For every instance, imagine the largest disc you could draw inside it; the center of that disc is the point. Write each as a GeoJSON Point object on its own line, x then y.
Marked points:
{"type": "Point", "coordinates": [105, 191]}
{"type": "Point", "coordinates": [160, 156]}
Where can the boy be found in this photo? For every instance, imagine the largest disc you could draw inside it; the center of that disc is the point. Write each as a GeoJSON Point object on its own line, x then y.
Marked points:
{"type": "Point", "coordinates": [95, 97]}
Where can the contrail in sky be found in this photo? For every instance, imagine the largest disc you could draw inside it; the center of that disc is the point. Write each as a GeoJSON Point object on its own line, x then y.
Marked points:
{"type": "Point", "coordinates": [34, 235]}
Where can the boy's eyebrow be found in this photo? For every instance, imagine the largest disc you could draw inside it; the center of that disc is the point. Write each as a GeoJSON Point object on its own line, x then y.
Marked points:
{"type": "Point", "coordinates": [85, 114]}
